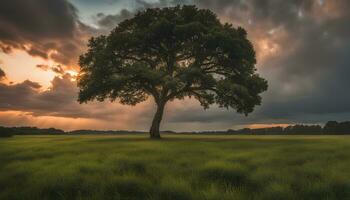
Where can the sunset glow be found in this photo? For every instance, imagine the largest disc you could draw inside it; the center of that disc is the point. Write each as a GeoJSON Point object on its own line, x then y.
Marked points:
{"type": "Point", "coordinates": [19, 66]}
{"type": "Point", "coordinates": [254, 126]}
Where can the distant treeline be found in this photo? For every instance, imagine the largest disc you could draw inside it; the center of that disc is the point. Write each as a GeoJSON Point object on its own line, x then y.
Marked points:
{"type": "Point", "coordinates": [77, 132]}
{"type": "Point", "coordinates": [9, 131]}
{"type": "Point", "coordinates": [330, 128]}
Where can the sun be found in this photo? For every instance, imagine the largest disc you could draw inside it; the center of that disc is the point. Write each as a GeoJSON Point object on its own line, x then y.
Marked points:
{"type": "Point", "coordinates": [73, 74]}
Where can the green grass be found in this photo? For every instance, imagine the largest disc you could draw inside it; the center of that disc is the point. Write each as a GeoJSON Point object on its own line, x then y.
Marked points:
{"type": "Point", "coordinates": [177, 167]}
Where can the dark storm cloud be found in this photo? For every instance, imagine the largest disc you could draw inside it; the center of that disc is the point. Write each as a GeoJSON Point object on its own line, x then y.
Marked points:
{"type": "Point", "coordinates": [40, 18]}
{"type": "Point", "coordinates": [313, 78]}
{"type": "Point", "coordinates": [44, 28]}
{"type": "Point", "coordinates": [29, 98]}
{"type": "Point", "coordinates": [308, 69]}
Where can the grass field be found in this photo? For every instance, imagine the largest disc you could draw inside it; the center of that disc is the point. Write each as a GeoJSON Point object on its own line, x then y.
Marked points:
{"type": "Point", "coordinates": [177, 167]}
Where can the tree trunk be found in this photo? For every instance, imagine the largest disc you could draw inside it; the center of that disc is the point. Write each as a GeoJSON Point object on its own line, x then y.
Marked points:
{"type": "Point", "coordinates": [154, 131]}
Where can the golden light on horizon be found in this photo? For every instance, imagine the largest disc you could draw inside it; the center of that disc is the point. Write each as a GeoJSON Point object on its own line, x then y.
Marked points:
{"type": "Point", "coordinates": [255, 126]}
{"type": "Point", "coordinates": [65, 123]}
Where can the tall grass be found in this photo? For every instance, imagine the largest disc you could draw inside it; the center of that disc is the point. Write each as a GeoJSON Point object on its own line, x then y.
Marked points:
{"type": "Point", "coordinates": [177, 167]}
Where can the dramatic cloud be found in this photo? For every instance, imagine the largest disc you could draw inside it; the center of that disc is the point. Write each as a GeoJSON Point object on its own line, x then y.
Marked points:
{"type": "Point", "coordinates": [302, 49]}
{"type": "Point", "coordinates": [44, 28]}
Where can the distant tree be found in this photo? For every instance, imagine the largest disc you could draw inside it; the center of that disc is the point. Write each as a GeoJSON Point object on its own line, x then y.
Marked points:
{"type": "Point", "coordinates": [231, 131]}
{"type": "Point", "coordinates": [35, 131]}
{"type": "Point", "coordinates": [300, 129]}
{"type": "Point", "coordinates": [344, 127]}
{"type": "Point", "coordinates": [334, 127]}
{"type": "Point", "coordinates": [331, 127]}
{"type": "Point", "coordinates": [170, 53]}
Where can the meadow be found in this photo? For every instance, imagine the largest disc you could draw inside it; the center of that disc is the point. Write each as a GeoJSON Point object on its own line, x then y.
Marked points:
{"type": "Point", "coordinates": [176, 167]}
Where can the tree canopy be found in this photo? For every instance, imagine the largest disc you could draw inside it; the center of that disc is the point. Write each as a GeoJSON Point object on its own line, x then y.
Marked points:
{"type": "Point", "coordinates": [170, 53]}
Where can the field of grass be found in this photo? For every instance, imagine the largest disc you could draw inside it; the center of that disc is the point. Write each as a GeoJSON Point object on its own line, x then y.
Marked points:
{"type": "Point", "coordinates": [177, 167]}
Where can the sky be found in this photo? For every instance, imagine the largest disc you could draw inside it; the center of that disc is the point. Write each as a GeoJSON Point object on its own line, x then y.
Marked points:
{"type": "Point", "coordinates": [302, 47]}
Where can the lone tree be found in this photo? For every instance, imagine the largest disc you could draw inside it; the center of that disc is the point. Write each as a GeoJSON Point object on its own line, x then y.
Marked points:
{"type": "Point", "coordinates": [170, 53]}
